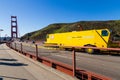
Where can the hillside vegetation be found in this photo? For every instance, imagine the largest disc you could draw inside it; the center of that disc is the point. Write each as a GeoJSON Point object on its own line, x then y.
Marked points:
{"type": "Point", "coordinates": [113, 25]}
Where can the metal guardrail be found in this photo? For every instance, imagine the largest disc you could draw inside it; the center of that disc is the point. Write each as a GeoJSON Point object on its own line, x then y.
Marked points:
{"type": "Point", "coordinates": [117, 42]}
{"type": "Point", "coordinates": [68, 69]}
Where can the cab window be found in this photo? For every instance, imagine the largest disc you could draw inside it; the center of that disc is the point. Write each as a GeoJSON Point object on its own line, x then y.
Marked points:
{"type": "Point", "coordinates": [104, 33]}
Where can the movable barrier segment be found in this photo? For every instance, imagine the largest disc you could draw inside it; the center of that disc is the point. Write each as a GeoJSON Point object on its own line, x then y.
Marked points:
{"type": "Point", "coordinates": [30, 55]}
{"type": "Point", "coordinates": [46, 62]}
{"type": "Point", "coordinates": [57, 65]}
{"type": "Point", "coordinates": [86, 75]}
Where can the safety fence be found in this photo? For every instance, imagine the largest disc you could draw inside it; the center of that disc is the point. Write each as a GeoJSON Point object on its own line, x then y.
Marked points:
{"type": "Point", "coordinates": [43, 56]}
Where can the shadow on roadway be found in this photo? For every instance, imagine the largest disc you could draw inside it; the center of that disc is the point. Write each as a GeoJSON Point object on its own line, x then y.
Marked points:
{"type": "Point", "coordinates": [13, 64]}
{"type": "Point", "coordinates": [9, 62]}
{"type": "Point", "coordinates": [1, 43]}
{"type": "Point", "coordinates": [2, 59]}
{"type": "Point", "coordinates": [11, 78]}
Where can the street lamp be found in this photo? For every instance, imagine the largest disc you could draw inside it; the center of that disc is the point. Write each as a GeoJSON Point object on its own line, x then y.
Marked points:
{"type": "Point", "coordinates": [0, 34]}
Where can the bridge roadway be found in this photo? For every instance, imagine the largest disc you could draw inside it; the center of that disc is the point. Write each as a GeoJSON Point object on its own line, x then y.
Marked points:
{"type": "Point", "coordinates": [14, 66]}
{"type": "Point", "coordinates": [102, 64]}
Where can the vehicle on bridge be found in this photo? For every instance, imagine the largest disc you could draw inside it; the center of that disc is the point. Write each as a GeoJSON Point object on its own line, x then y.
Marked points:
{"type": "Point", "coordinates": [92, 38]}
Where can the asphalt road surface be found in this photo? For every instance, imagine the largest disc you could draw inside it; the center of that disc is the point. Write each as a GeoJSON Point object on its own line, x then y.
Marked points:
{"type": "Point", "coordinates": [102, 64]}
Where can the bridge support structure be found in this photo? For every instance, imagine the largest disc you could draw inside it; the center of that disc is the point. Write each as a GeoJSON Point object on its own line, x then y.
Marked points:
{"type": "Point", "coordinates": [14, 27]}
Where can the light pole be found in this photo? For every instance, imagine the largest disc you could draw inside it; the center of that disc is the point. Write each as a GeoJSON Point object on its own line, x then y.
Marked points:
{"type": "Point", "coordinates": [0, 34]}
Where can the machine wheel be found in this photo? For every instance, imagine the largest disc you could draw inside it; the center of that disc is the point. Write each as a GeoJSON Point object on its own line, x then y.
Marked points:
{"type": "Point", "coordinates": [89, 50]}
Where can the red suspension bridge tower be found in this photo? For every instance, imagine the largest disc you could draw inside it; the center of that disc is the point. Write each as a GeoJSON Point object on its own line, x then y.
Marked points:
{"type": "Point", "coordinates": [14, 27]}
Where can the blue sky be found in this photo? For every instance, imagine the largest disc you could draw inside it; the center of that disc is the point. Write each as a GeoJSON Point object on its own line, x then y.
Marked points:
{"type": "Point", "coordinates": [36, 14]}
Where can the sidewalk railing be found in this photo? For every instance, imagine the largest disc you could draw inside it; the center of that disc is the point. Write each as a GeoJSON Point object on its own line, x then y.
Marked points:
{"type": "Point", "coordinates": [68, 69]}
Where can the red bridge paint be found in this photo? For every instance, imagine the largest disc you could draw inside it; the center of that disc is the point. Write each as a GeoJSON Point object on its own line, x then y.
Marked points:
{"type": "Point", "coordinates": [14, 27]}
{"type": "Point", "coordinates": [68, 69]}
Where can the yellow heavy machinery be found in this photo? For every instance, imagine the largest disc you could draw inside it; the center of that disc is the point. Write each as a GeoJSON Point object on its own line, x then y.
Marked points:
{"type": "Point", "coordinates": [94, 38]}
